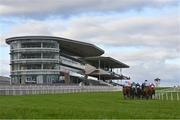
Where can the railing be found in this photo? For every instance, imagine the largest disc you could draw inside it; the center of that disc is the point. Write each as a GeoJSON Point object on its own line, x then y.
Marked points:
{"type": "Point", "coordinates": [72, 63]}
{"type": "Point", "coordinates": [35, 49]}
{"type": "Point", "coordinates": [35, 71]}
{"type": "Point", "coordinates": [48, 89]}
{"type": "Point", "coordinates": [40, 60]}
{"type": "Point", "coordinates": [168, 94]}
{"type": "Point", "coordinates": [31, 60]}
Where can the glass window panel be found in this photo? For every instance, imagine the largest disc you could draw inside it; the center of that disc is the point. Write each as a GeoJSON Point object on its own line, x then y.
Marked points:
{"type": "Point", "coordinates": [30, 44]}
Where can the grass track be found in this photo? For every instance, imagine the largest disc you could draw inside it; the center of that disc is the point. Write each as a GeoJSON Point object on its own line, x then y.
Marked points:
{"type": "Point", "coordinates": [86, 105]}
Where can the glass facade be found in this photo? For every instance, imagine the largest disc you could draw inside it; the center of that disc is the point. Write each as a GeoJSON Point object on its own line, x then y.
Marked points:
{"type": "Point", "coordinates": [38, 64]}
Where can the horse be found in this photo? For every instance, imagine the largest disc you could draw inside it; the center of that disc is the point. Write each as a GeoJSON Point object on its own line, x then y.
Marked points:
{"type": "Point", "coordinates": [138, 91]}
{"type": "Point", "coordinates": [126, 91]}
{"type": "Point", "coordinates": [147, 92]}
{"type": "Point", "coordinates": [133, 92]}
{"type": "Point", "coordinates": [152, 90]}
{"type": "Point", "coordinates": [143, 90]}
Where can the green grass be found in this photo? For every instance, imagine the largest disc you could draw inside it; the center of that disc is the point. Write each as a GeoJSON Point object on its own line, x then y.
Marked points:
{"type": "Point", "coordinates": [162, 88]}
{"type": "Point", "coordinates": [86, 105]}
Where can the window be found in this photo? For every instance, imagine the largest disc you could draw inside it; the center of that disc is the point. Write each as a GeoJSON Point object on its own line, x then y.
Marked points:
{"type": "Point", "coordinates": [30, 55]}
{"type": "Point", "coordinates": [31, 79]}
{"type": "Point", "coordinates": [49, 45]}
{"type": "Point", "coordinates": [14, 45]}
{"type": "Point", "coordinates": [30, 66]}
{"type": "Point", "coordinates": [50, 79]}
{"type": "Point", "coordinates": [49, 55]}
{"type": "Point", "coordinates": [50, 66]}
{"type": "Point", "coordinates": [30, 44]}
{"type": "Point", "coordinates": [14, 67]}
{"type": "Point", "coordinates": [14, 56]}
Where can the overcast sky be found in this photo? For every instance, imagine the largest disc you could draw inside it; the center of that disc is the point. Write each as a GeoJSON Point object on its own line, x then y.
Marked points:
{"type": "Point", "coordinates": [144, 34]}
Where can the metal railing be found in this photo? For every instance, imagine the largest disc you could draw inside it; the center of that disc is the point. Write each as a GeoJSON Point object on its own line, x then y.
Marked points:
{"type": "Point", "coordinates": [49, 89]}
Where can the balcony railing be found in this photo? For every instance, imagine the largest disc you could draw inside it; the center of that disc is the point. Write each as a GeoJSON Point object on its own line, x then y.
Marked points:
{"type": "Point", "coordinates": [34, 60]}
{"type": "Point", "coordinates": [35, 71]}
{"type": "Point", "coordinates": [35, 50]}
{"type": "Point", "coordinates": [76, 65]}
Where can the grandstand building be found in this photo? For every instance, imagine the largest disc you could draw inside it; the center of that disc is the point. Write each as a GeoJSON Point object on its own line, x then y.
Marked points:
{"type": "Point", "coordinates": [105, 68]}
{"type": "Point", "coordinates": [48, 60]}
{"type": "Point", "coordinates": [56, 60]}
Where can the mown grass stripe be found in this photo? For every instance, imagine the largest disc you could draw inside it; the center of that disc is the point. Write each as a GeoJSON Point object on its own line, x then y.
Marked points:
{"type": "Point", "coordinates": [107, 105]}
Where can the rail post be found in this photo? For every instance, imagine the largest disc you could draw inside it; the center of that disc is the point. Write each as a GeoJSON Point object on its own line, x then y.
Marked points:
{"type": "Point", "coordinates": [162, 96]}
{"type": "Point", "coordinates": [177, 95]}
{"type": "Point", "coordinates": [171, 96]}
{"type": "Point", "coordinates": [166, 95]}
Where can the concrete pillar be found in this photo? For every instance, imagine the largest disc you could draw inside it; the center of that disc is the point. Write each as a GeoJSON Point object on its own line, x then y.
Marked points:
{"type": "Point", "coordinates": [67, 78]}
{"type": "Point", "coordinates": [23, 79]}
{"type": "Point", "coordinates": [41, 44]}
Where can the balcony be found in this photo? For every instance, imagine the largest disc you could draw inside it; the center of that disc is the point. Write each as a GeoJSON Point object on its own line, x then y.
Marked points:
{"type": "Point", "coordinates": [35, 50]}
{"type": "Point", "coordinates": [35, 71]}
{"type": "Point", "coordinates": [35, 60]}
{"type": "Point", "coordinates": [72, 63]}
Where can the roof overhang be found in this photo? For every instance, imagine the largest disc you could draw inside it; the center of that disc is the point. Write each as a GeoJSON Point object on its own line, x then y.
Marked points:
{"type": "Point", "coordinates": [105, 62]}
{"type": "Point", "coordinates": [72, 47]}
{"type": "Point", "coordinates": [98, 72]}
{"type": "Point", "coordinates": [105, 75]}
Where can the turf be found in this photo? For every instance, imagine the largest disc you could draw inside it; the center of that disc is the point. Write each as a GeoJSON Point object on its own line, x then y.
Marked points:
{"type": "Point", "coordinates": [108, 105]}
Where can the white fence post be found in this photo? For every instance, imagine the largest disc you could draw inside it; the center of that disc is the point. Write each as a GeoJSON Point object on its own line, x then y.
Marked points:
{"type": "Point", "coordinates": [166, 95]}
{"type": "Point", "coordinates": [162, 95]}
{"type": "Point", "coordinates": [171, 96]}
{"type": "Point", "coordinates": [177, 95]}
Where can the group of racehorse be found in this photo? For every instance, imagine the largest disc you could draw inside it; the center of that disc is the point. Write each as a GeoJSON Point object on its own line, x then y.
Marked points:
{"type": "Point", "coordinates": [139, 91]}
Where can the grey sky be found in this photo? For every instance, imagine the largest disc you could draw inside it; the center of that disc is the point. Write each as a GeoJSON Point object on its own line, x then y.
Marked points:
{"type": "Point", "coordinates": [142, 33]}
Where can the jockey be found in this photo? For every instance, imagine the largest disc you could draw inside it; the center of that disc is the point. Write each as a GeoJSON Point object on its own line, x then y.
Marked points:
{"type": "Point", "coordinates": [127, 83]}
{"type": "Point", "coordinates": [146, 83]}
{"type": "Point", "coordinates": [133, 85]}
{"type": "Point", "coordinates": [138, 85]}
{"type": "Point", "coordinates": [152, 85]}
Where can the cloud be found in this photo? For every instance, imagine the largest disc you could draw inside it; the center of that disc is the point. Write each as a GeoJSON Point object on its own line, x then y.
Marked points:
{"type": "Point", "coordinates": [161, 31]}
{"type": "Point", "coordinates": [114, 30]}
{"type": "Point", "coordinates": [39, 8]}
{"type": "Point", "coordinates": [150, 71]}
{"type": "Point", "coordinates": [150, 64]}
{"type": "Point", "coordinates": [151, 40]}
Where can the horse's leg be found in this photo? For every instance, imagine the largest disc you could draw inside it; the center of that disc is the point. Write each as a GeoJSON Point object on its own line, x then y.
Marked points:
{"type": "Point", "coordinates": [140, 94]}
{"type": "Point", "coordinates": [125, 97]}
{"type": "Point", "coordinates": [147, 96]}
{"type": "Point", "coordinates": [143, 95]}
{"type": "Point", "coordinates": [132, 93]}
{"type": "Point", "coordinates": [154, 94]}
{"type": "Point", "coordinates": [129, 94]}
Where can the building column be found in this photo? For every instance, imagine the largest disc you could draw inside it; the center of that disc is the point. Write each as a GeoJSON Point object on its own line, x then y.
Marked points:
{"type": "Point", "coordinates": [42, 66]}
{"type": "Point", "coordinates": [41, 44]}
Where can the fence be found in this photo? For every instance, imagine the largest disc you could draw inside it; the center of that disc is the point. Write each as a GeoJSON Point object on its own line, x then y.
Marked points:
{"type": "Point", "coordinates": [168, 94]}
{"type": "Point", "coordinates": [48, 89]}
